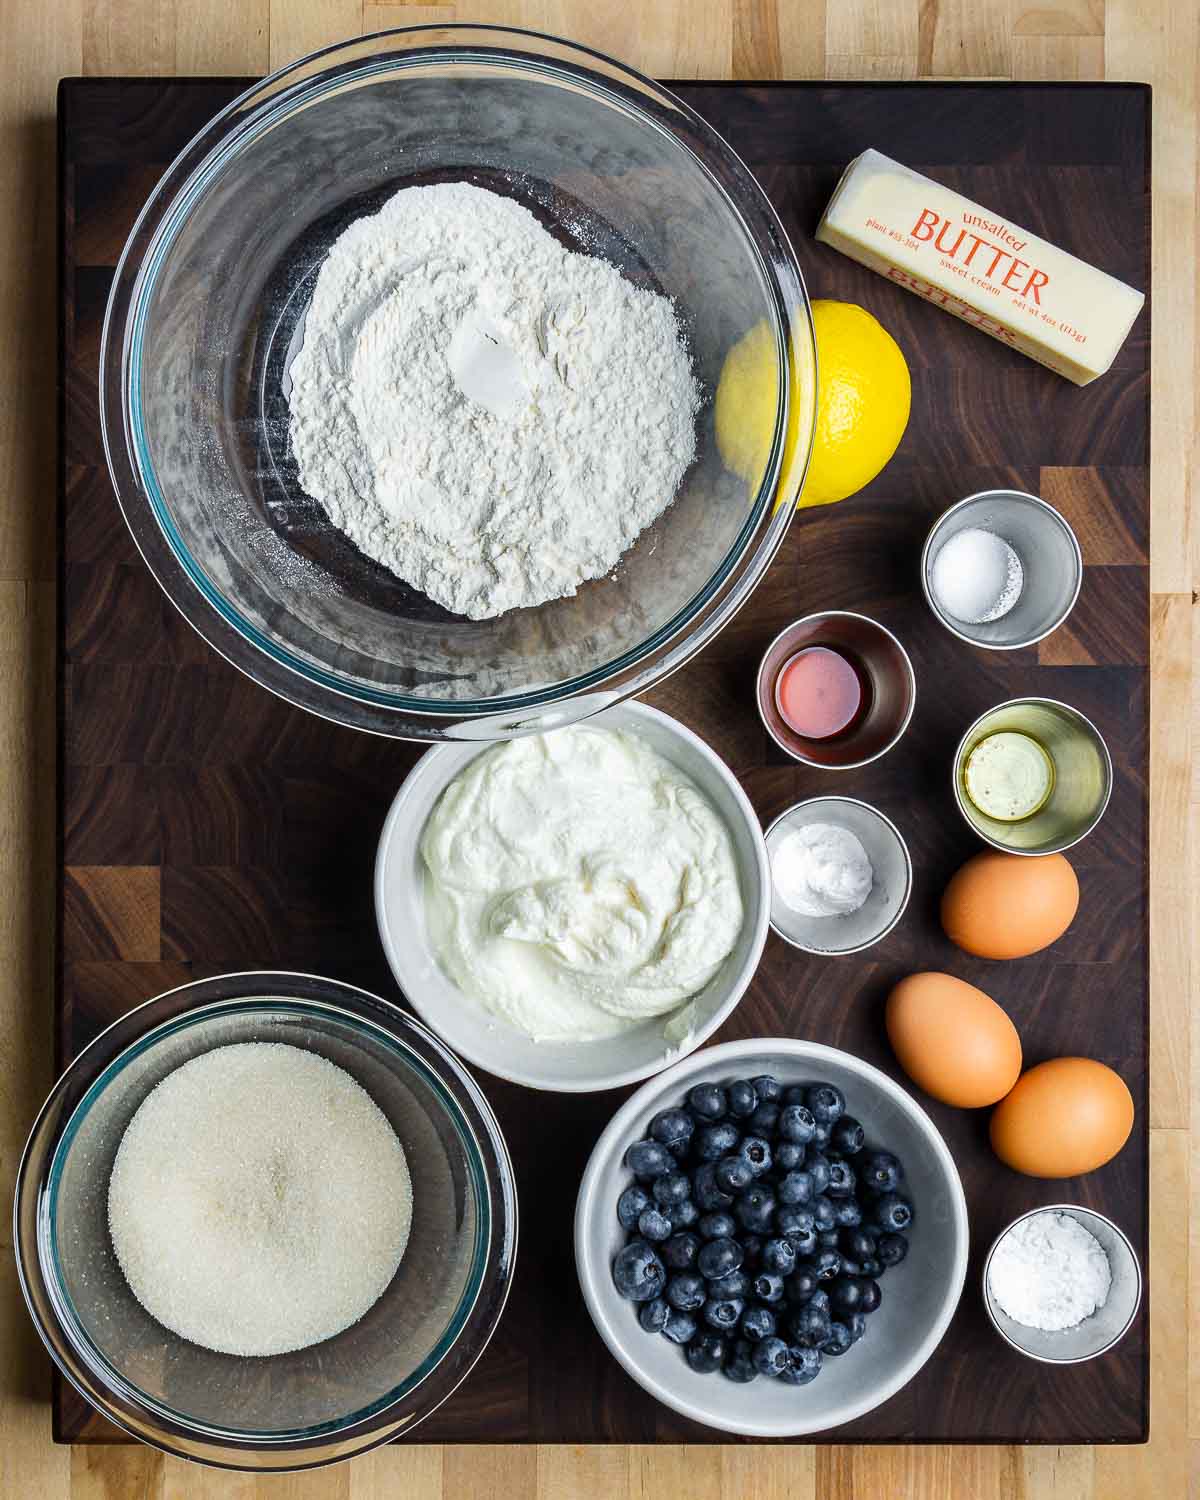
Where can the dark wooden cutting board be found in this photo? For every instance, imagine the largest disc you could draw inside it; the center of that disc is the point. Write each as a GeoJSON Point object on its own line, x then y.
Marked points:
{"type": "Point", "coordinates": [206, 826]}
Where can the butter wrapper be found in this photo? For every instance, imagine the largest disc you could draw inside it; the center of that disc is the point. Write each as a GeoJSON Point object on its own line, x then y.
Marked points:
{"type": "Point", "coordinates": [988, 271]}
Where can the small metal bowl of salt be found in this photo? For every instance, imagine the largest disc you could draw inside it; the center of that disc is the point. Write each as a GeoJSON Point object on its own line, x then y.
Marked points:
{"type": "Point", "coordinates": [1062, 1284]}
{"type": "Point", "coordinates": [841, 875]}
{"type": "Point", "coordinates": [1001, 569]}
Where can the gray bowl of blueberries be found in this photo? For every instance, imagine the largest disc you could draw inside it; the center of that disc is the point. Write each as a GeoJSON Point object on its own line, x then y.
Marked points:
{"type": "Point", "coordinates": [767, 1215]}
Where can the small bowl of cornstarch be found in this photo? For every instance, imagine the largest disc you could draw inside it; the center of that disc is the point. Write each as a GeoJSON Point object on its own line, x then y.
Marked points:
{"type": "Point", "coordinates": [1062, 1284]}
{"type": "Point", "coordinates": [266, 1221]}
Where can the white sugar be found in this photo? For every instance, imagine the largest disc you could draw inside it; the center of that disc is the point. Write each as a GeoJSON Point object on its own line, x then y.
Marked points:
{"type": "Point", "coordinates": [976, 576]}
{"type": "Point", "coordinates": [260, 1200]}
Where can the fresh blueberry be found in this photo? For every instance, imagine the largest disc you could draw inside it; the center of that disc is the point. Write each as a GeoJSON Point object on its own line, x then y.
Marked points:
{"type": "Point", "coordinates": [653, 1315]}
{"type": "Point", "coordinates": [647, 1160]}
{"type": "Point", "coordinates": [756, 1153]}
{"type": "Point", "coordinates": [803, 1365]}
{"type": "Point", "coordinates": [767, 1286]}
{"type": "Point", "coordinates": [711, 1142]}
{"type": "Point", "coordinates": [654, 1225]}
{"type": "Point", "coordinates": [632, 1203]}
{"type": "Point", "coordinates": [796, 1226]}
{"type": "Point", "coordinates": [823, 1213]}
{"type": "Point", "coordinates": [758, 1323]}
{"type": "Point", "coordinates": [847, 1136]}
{"type": "Point", "coordinates": [684, 1215]}
{"type": "Point", "coordinates": [857, 1243]}
{"type": "Point", "coordinates": [847, 1214]}
{"type": "Point", "coordinates": [717, 1226]}
{"type": "Point", "coordinates": [871, 1267]}
{"type": "Point", "coordinates": [817, 1165]}
{"type": "Point", "coordinates": [850, 1266]}
{"type": "Point", "coordinates": [857, 1324]}
{"type": "Point", "coordinates": [845, 1294]}
{"type": "Point", "coordinates": [881, 1172]}
{"type": "Point", "coordinates": [707, 1101]}
{"type": "Point", "coordinates": [767, 1088]}
{"type": "Point", "coordinates": [755, 1209]}
{"type": "Point", "coordinates": [719, 1257]}
{"type": "Point", "coordinates": [669, 1189]}
{"type": "Point", "coordinates": [804, 1242]}
{"type": "Point", "coordinates": [672, 1128]}
{"type": "Point", "coordinates": [679, 1327]}
{"type": "Point", "coordinates": [790, 1220]}
{"type": "Point", "coordinates": [686, 1292]}
{"type": "Point", "coordinates": [827, 1239]}
{"type": "Point", "coordinates": [723, 1313]}
{"type": "Point", "coordinates": [826, 1264]}
{"type": "Point", "coordinates": [743, 1099]}
{"type": "Point", "coordinates": [680, 1251]}
{"type": "Point", "coordinates": [826, 1102]}
{"type": "Point", "coordinates": [764, 1119]}
{"type": "Point", "coordinates": [842, 1181]}
{"type": "Point", "coordinates": [707, 1195]}
{"type": "Point", "coordinates": [795, 1188]}
{"type": "Point", "coordinates": [801, 1284]}
{"type": "Point", "coordinates": [770, 1357]}
{"type": "Point", "coordinates": [778, 1256]}
{"type": "Point", "coordinates": [733, 1284]}
{"type": "Point", "coordinates": [751, 1251]}
{"type": "Point", "coordinates": [793, 1094]}
{"type": "Point", "coordinates": [637, 1272]}
{"type": "Point", "coordinates": [733, 1173]}
{"type": "Point", "coordinates": [739, 1365]}
{"type": "Point", "coordinates": [821, 1135]}
{"type": "Point", "coordinates": [706, 1353]}
{"type": "Point", "coordinates": [810, 1324]}
{"type": "Point", "coordinates": [892, 1214]}
{"type": "Point", "coordinates": [839, 1339]}
{"type": "Point", "coordinates": [788, 1156]}
{"type": "Point", "coordinates": [891, 1248]}
{"type": "Point", "coordinates": [871, 1297]}
{"type": "Point", "coordinates": [796, 1124]}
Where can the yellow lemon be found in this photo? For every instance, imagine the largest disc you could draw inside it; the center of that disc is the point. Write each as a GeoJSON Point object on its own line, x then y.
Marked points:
{"type": "Point", "coordinates": [862, 404]}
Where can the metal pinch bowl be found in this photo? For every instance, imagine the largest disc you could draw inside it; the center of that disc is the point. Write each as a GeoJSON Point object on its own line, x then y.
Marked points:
{"type": "Point", "coordinates": [878, 656]}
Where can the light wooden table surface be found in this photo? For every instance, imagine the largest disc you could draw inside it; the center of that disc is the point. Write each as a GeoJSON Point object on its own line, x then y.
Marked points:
{"type": "Point", "coordinates": [1155, 41]}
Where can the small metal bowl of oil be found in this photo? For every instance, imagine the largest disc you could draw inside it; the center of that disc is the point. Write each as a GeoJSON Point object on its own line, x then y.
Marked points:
{"type": "Point", "coordinates": [1032, 776]}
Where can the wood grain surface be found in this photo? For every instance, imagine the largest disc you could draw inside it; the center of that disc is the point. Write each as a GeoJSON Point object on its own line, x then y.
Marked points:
{"type": "Point", "coordinates": [1127, 39]}
{"type": "Point", "coordinates": [207, 826]}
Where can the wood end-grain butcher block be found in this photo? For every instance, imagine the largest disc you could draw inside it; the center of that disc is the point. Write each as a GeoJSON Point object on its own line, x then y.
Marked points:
{"type": "Point", "coordinates": [206, 826]}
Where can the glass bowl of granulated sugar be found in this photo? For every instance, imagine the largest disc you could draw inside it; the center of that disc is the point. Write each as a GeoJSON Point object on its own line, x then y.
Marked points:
{"type": "Point", "coordinates": [409, 382]}
{"type": "Point", "coordinates": [266, 1221]}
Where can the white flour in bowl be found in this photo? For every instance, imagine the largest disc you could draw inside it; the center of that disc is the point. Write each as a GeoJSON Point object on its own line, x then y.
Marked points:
{"type": "Point", "coordinates": [491, 416]}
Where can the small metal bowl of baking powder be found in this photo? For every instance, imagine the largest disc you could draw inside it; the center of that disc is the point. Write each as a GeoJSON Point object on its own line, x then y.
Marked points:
{"type": "Point", "coordinates": [891, 868]}
{"type": "Point", "coordinates": [1104, 1328]}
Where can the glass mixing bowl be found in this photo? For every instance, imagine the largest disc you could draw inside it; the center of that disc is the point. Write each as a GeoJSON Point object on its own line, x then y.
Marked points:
{"type": "Point", "coordinates": [376, 1379]}
{"type": "Point", "coordinates": [207, 310]}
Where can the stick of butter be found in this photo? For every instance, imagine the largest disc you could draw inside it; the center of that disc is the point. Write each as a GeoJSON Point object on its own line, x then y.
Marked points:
{"type": "Point", "coordinates": [987, 271]}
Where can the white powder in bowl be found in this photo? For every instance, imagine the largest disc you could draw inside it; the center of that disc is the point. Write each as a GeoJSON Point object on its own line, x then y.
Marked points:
{"type": "Point", "coordinates": [259, 1201]}
{"type": "Point", "coordinates": [493, 417]}
{"type": "Point", "coordinates": [976, 576]}
{"type": "Point", "coordinates": [1049, 1272]}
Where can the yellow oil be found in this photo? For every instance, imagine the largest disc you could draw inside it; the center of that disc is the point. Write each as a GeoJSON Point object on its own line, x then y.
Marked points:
{"type": "Point", "coordinates": [1026, 794]}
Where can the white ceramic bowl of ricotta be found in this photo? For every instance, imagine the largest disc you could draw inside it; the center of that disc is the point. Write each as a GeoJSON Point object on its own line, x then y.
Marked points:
{"type": "Point", "coordinates": [491, 1042]}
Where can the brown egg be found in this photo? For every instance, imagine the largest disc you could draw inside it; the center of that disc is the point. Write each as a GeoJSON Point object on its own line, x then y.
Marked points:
{"type": "Point", "coordinates": [1063, 1118]}
{"type": "Point", "coordinates": [1009, 905]}
{"type": "Point", "coordinates": [953, 1040]}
